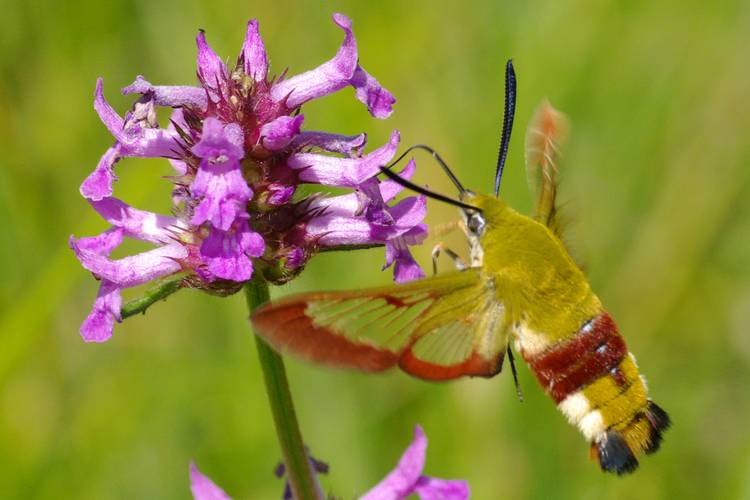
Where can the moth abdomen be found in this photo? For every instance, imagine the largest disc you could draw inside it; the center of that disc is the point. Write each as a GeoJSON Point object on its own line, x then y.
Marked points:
{"type": "Point", "coordinates": [614, 454]}
{"type": "Point", "coordinates": [617, 450]}
{"type": "Point", "coordinates": [594, 380]}
{"type": "Point", "coordinates": [660, 422]}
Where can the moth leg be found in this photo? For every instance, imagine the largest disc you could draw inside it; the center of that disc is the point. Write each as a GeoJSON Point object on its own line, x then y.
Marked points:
{"type": "Point", "coordinates": [465, 229]}
{"type": "Point", "coordinates": [515, 375]}
{"type": "Point", "coordinates": [443, 229]}
{"type": "Point", "coordinates": [441, 248]}
{"type": "Point", "coordinates": [462, 226]}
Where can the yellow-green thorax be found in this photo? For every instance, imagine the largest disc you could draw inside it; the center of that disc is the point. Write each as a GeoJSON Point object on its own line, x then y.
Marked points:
{"type": "Point", "coordinates": [543, 289]}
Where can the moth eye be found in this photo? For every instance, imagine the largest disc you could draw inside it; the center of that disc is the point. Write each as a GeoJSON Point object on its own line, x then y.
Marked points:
{"type": "Point", "coordinates": [476, 223]}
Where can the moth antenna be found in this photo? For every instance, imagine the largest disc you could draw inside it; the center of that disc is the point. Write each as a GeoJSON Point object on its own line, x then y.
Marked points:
{"type": "Point", "coordinates": [430, 194]}
{"type": "Point", "coordinates": [508, 115]}
{"type": "Point", "coordinates": [515, 375]}
{"type": "Point", "coordinates": [438, 159]}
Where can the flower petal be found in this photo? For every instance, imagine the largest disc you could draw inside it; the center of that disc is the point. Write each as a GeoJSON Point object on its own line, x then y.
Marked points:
{"type": "Point", "coordinates": [254, 53]}
{"type": "Point", "coordinates": [203, 488]}
{"type": "Point", "coordinates": [219, 179]}
{"type": "Point", "coordinates": [402, 480]}
{"type": "Point", "coordinates": [377, 99]}
{"type": "Point", "coordinates": [397, 250]}
{"type": "Point", "coordinates": [279, 193]}
{"type": "Point", "coordinates": [98, 184]}
{"type": "Point", "coordinates": [135, 269]}
{"type": "Point", "coordinates": [92, 252]}
{"type": "Point", "coordinates": [252, 243]}
{"type": "Point", "coordinates": [138, 224]}
{"type": "Point", "coordinates": [350, 145]}
{"type": "Point", "coordinates": [372, 204]}
{"type": "Point", "coordinates": [341, 71]}
{"type": "Point", "coordinates": [172, 96]}
{"type": "Point", "coordinates": [344, 172]}
{"type": "Point", "coordinates": [104, 243]}
{"type": "Point", "coordinates": [107, 114]}
{"type": "Point", "coordinates": [221, 212]}
{"type": "Point", "coordinates": [178, 120]}
{"type": "Point", "coordinates": [390, 188]}
{"type": "Point", "coordinates": [337, 230]}
{"type": "Point", "coordinates": [415, 235]}
{"type": "Point", "coordinates": [295, 258]}
{"type": "Point", "coordinates": [409, 212]}
{"type": "Point", "coordinates": [218, 140]}
{"type": "Point", "coordinates": [135, 139]}
{"type": "Point", "coordinates": [327, 78]}
{"type": "Point", "coordinates": [278, 134]}
{"type": "Point", "coordinates": [430, 488]}
{"type": "Point", "coordinates": [407, 269]}
{"type": "Point", "coordinates": [350, 204]}
{"type": "Point", "coordinates": [211, 69]}
{"type": "Point", "coordinates": [226, 253]}
{"type": "Point", "coordinates": [99, 324]}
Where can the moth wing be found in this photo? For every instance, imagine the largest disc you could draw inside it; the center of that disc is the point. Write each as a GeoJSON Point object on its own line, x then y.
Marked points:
{"type": "Point", "coordinates": [437, 328]}
{"type": "Point", "coordinates": [545, 134]}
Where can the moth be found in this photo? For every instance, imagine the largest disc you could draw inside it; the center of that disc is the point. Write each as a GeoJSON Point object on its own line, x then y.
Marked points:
{"type": "Point", "coordinates": [521, 285]}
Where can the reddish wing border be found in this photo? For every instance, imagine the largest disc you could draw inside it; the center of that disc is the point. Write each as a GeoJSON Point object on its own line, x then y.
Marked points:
{"type": "Point", "coordinates": [475, 366]}
{"type": "Point", "coordinates": [285, 325]}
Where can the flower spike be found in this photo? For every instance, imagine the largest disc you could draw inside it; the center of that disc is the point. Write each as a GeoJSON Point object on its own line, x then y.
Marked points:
{"type": "Point", "coordinates": [239, 153]}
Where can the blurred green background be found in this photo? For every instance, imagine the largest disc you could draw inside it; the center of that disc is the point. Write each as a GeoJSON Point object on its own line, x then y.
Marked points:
{"type": "Point", "coordinates": [655, 179]}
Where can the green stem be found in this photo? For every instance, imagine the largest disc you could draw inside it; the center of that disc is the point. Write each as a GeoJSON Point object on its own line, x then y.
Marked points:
{"type": "Point", "coordinates": [298, 470]}
{"type": "Point", "coordinates": [161, 291]}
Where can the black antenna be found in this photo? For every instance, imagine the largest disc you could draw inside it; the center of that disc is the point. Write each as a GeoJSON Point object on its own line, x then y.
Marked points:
{"type": "Point", "coordinates": [419, 189]}
{"type": "Point", "coordinates": [437, 157]}
{"type": "Point", "coordinates": [510, 111]}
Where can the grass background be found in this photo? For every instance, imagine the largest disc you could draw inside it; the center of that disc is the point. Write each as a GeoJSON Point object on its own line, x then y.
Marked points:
{"type": "Point", "coordinates": [655, 177]}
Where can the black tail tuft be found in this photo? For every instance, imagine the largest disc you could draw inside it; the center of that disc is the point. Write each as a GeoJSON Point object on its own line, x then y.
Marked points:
{"type": "Point", "coordinates": [660, 422]}
{"type": "Point", "coordinates": [615, 455]}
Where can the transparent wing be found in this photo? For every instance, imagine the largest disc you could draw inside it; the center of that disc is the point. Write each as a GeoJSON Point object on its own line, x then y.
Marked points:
{"type": "Point", "coordinates": [547, 130]}
{"type": "Point", "coordinates": [437, 328]}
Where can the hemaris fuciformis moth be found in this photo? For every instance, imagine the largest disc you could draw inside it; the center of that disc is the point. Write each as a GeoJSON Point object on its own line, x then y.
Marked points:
{"type": "Point", "coordinates": [521, 284]}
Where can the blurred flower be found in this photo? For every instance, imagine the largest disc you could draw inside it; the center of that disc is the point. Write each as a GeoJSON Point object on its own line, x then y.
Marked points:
{"type": "Point", "coordinates": [239, 153]}
{"type": "Point", "coordinates": [203, 488]}
{"type": "Point", "coordinates": [317, 467]}
{"type": "Point", "coordinates": [407, 478]}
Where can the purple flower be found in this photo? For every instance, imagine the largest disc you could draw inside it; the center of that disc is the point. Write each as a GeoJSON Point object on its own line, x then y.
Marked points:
{"type": "Point", "coordinates": [254, 58]}
{"type": "Point", "coordinates": [345, 172]}
{"type": "Point", "coordinates": [227, 253]}
{"type": "Point", "coordinates": [341, 71]}
{"type": "Point", "coordinates": [218, 184]}
{"type": "Point", "coordinates": [277, 134]}
{"type": "Point", "coordinates": [364, 218]}
{"type": "Point", "coordinates": [350, 145]}
{"type": "Point", "coordinates": [316, 466]}
{"type": "Point", "coordinates": [397, 251]}
{"type": "Point", "coordinates": [239, 154]}
{"type": "Point", "coordinates": [203, 488]}
{"type": "Point", "coordinates": [407, 478]}
{"type": "Point", "coordinates": [93, 253]}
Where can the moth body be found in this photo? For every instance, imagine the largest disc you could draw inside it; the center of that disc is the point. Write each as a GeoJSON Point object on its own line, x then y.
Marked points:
{"type": "Point", "coordinates": [569, 341]}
